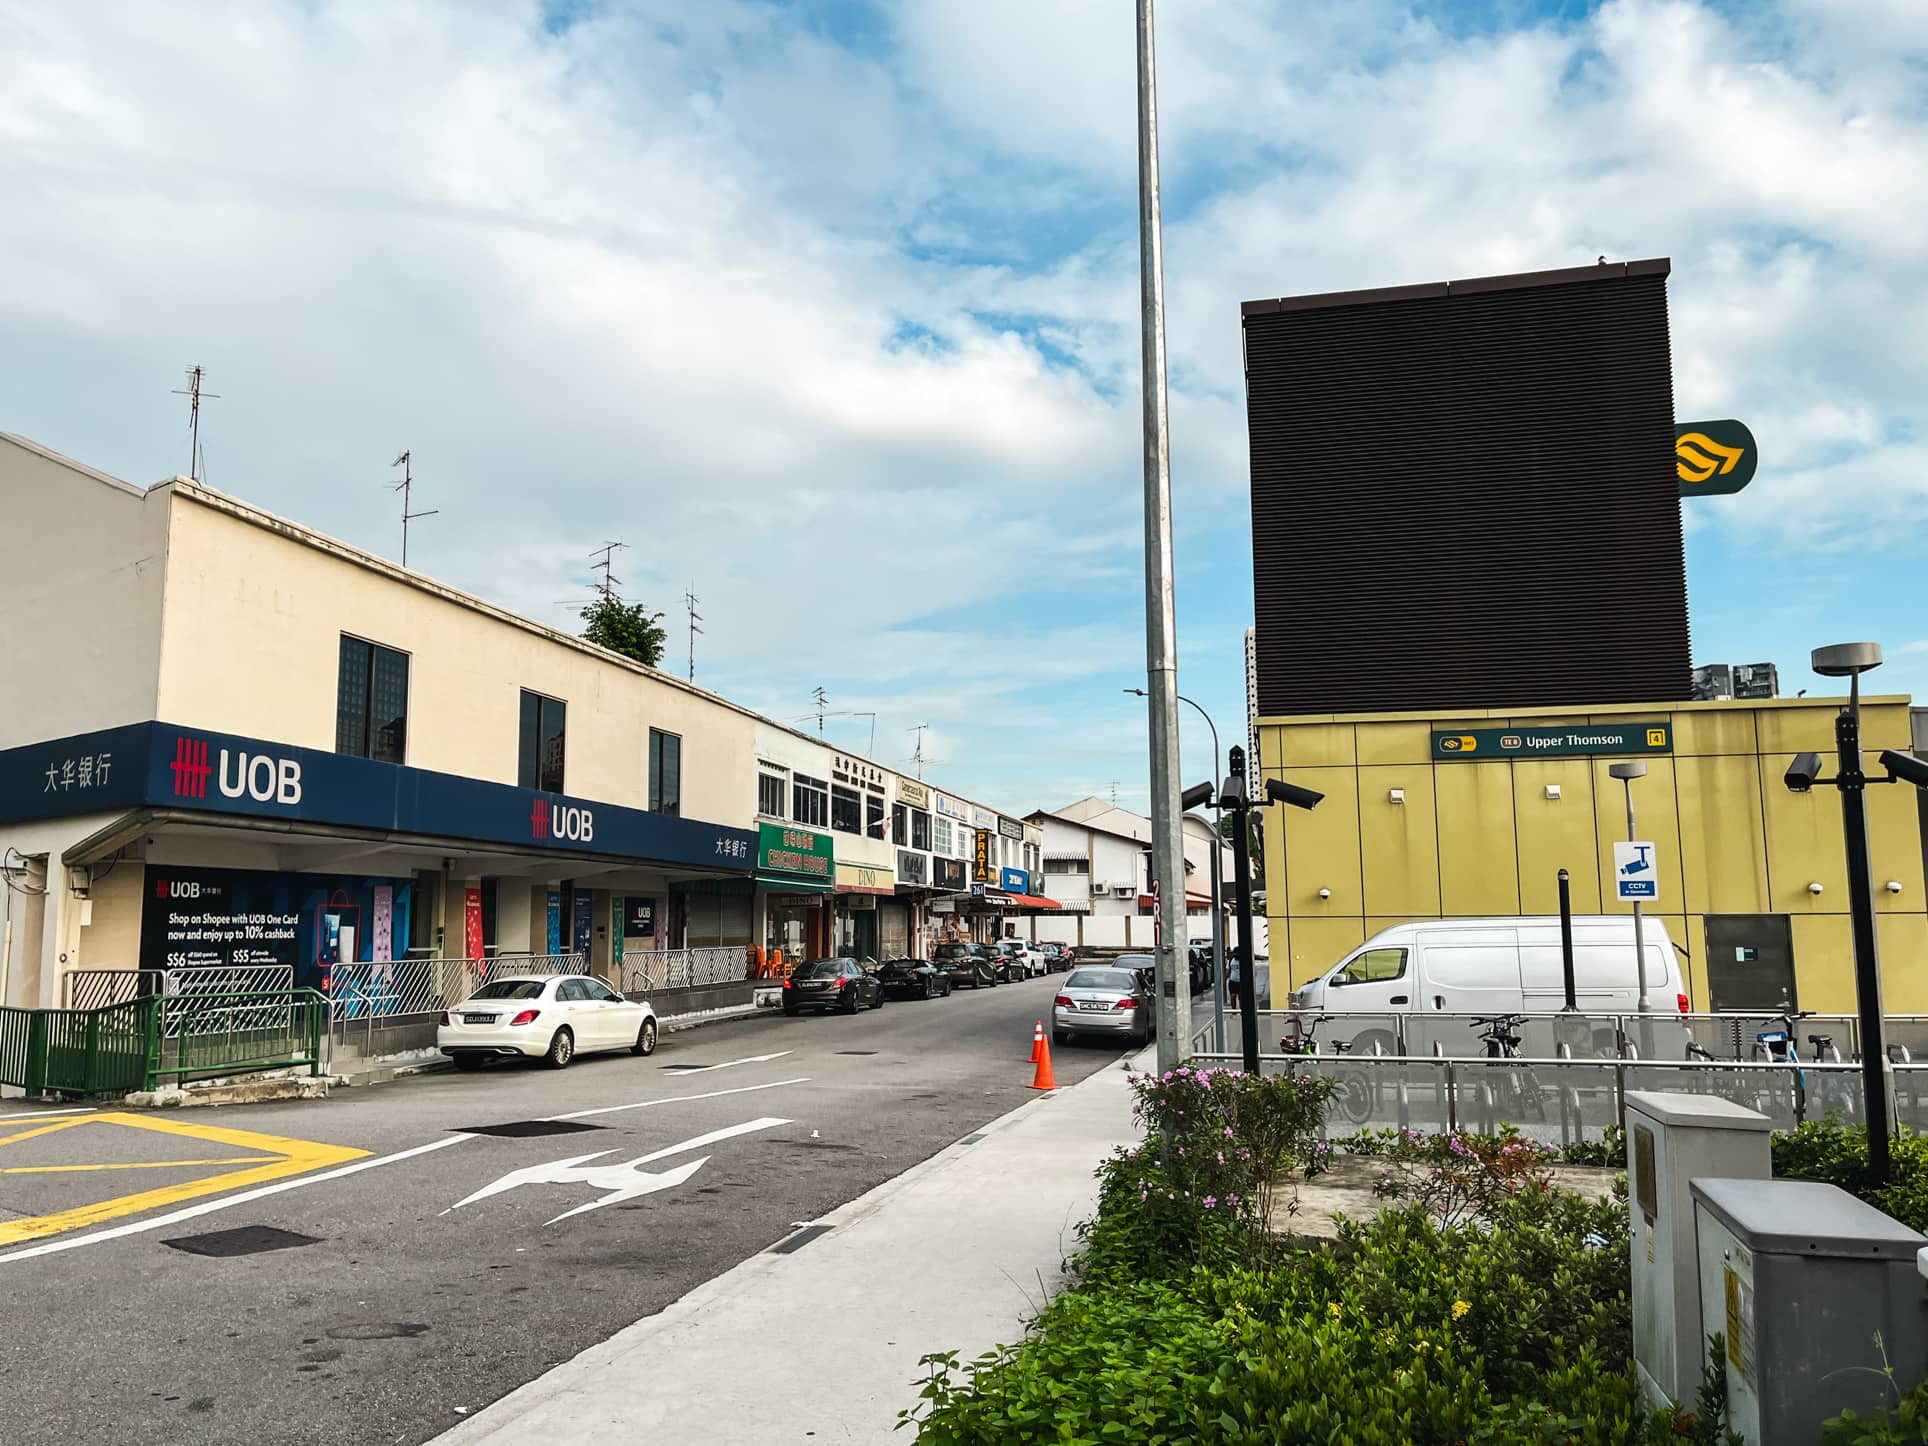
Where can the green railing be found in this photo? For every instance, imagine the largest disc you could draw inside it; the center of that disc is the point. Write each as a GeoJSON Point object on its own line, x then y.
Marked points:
{"type": "Point", "coordinates": [136, 1045]}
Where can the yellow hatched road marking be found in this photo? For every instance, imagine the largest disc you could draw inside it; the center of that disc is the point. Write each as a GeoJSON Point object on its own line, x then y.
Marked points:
{"type": "Point", "coordinates": [276, 1158]}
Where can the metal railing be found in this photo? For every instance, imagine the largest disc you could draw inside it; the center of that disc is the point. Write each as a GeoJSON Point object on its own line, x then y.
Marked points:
{"type": "Point", "coordinates": [650, 970]}
{"type": "Point", "coordinates": [393, 1005]}
{"type": "Point", "coordinates": [1727, 1036]}
{"type": "Point", "coordinates": [206, 1033]}
{"type": "Point", "coordinates": [1563, 1100]}
{"type": "Point", "coordinates": [98, 988]}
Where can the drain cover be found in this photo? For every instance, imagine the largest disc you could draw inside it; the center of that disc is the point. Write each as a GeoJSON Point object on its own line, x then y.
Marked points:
{"type": "Point", "coordinates": [248, 1240]}
{"type": "Point", "coordinates": [523, 1129]}
{"type": "Point", "coordinates": [796, 1242]}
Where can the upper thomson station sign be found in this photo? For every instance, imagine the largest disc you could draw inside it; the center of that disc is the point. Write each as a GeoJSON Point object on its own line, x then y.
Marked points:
{"type": "Point", "coordinates": [1569, 741]}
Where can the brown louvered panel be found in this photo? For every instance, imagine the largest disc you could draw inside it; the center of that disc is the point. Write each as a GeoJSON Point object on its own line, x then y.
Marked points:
{"type": "Point", "coordinates": [1463, 496]}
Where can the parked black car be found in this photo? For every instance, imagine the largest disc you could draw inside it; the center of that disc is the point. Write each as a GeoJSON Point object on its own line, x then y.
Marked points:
{"type": "Point", "coordinates": [913, 978]}
{"type": "Point", "coordinates": [1007, 966]}
{"type": "Point", "coordinates": [965, 964]}
{"type": "Point", "coordinates": [1057, 957]}
{"type": "Point", "coordinates": [831, 984]}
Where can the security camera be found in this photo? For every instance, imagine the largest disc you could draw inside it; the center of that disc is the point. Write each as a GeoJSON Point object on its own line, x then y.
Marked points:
{"type": "Point", "coordinates": [1325, 893]}
{"type": "Point", "coordinates": [1277, 791]}
{"type": "Point", "coordinates": [1814, 888]}
{"type": "Point", "coordinates": [1906, 767]}
{"type": "Point", "coordinates": [1196, 795]}
{"type": "Point", "coordinates": [1803, 772]}
{"type": "Point", "coordinates": [1893, 886]}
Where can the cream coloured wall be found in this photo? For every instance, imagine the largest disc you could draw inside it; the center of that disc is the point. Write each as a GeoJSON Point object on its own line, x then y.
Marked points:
{"type": "Point", "coordinates": [252, 631]}
{"type": "Point", "coordinates": [80, 589]}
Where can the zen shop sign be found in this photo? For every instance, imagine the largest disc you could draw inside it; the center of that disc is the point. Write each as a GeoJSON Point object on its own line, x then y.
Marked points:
{"type": "Point", "coordinates": [1570, 741]}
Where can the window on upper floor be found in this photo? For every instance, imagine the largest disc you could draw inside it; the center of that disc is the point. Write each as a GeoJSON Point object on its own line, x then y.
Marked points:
{"type": "Point", "coordinates": [846, 809]}
{"type": "Point", "coordinates": [899, 825]}
{"type": "Point", "coordinates": [941, 837]}
{"type": "Point", "coordinates": [371, 702]}
{"type": "Point", "coordinates": [770, 791]}
{"type": "Point", "coordinates": [810, 801]}
{"type": "Point", "coordinates": [665, 772]}
{"type": "Point", "coordinates": [541, 749]}
{"type": "Point", "coordinates": [1066, 864]}
{"type": "Point", "coordinates": [920, 829]}
{"type": "Point", "coordinates": [874, 815]}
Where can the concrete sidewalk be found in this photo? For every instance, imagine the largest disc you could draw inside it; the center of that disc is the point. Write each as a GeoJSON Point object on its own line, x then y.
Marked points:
{"type": "Point", "coordinates": [818, 1339]}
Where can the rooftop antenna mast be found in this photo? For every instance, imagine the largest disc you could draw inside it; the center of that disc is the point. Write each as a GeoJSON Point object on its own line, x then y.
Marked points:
{"type": "Point", "coordinates": [819, 697]}
{"type": "Point", "coordinates": [690, 600]}
{"type": "Point", "coordinates": [602, 558]}
{"type": "Point", "coordinates": [407, 487]}
{"type": "Point", "coordinates": [195, 376]}
{"type": "Point", "coordinates": [1114, 793]}
{"type": "Point", "coordinates": [917, 756]}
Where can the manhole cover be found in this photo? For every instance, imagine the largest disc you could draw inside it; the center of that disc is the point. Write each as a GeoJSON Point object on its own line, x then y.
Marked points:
{"type": "Point", "coordinates": [522, 1129]}
{"type": "Point", "coordinates": [247, 1240]}
{"type": "Point", "coordinates": [856, 1051]}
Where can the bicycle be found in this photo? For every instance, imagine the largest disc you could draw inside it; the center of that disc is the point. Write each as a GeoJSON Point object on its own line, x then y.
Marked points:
{"type": "Point", "coordinates": [1357, 1096]}
{"type": "Point", "coordinates": [1514, 1091]}
{"type": "Point", "coordinates": [1779, 1046]}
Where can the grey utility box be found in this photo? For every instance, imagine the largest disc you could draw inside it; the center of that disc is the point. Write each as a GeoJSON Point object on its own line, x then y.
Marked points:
{"type": "Point", "coordinates": [1670, 1139]}
{"type": "Point", "coordinates": [1799, 1278]}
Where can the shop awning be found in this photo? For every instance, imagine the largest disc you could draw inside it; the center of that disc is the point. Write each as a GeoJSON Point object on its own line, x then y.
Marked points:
{"type": "Point", "coordinates": [778, 883]}
{"type": "Point", "coordinates": [1192, 901]}
{"type": "Point", "coordinates": [1023, 901]}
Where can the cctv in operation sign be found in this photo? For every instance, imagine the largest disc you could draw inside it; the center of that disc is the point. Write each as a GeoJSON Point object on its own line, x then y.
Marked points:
{"type": "Point", "coordinates": [1567, 741]}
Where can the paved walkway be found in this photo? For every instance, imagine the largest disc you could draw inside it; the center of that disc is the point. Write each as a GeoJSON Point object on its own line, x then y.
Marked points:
{"type": "Point", "coordinates": [820, 1343]}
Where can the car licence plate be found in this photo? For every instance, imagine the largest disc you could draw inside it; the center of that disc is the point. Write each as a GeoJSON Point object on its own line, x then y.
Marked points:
{"type": "Point", "coordinates": [478, 1019]}
{"type": "Point", "coordinates": [1093, 1004]}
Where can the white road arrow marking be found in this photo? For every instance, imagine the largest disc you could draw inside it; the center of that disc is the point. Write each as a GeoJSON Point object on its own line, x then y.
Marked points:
{"type": "Point", "coordinates": [624, 1180]}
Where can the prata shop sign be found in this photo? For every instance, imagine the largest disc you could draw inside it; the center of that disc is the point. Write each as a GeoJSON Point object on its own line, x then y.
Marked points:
{"type": "Point", "coordinates": [1579, 739]}
{"type": "Point", "coordinates": [160, 765]}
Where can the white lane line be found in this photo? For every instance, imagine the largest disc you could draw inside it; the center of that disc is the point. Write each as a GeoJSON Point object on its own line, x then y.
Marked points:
{"type": "Point", "coordinates": [192, 1212]}
{"type": "Point", "coordinates": [27, 1116]}
{"type": "Point", "coordinates": [732, 1063]}
{"type": "Point", "coordinates": [775, 1084]}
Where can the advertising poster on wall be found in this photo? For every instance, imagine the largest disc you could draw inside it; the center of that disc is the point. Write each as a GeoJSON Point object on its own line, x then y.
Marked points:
{"type": "Point", "coordinates": [555, 921]}
{"type": "Point", "coordinates": [472, 923]}
{"type": "Point", "coordinates": [584, 921]}
{"type": "Point", "coordinates": [198, 917]}
{"type": "Point", "coordinates": [640, 918]}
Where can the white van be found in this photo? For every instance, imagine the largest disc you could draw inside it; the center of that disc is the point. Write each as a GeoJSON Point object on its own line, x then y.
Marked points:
{"type": "Point", "coordinates": [1494, 966]}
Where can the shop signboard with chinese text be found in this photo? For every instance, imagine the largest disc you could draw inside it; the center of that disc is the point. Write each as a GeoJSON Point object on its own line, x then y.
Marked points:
{"type": "Point", "coordinates": [801, 854]}
{"type": "Point", "coordinates": [913, 793]}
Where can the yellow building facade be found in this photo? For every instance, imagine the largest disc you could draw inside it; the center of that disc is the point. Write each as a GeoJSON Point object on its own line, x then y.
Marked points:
{"type": "Point", "coordinates": [1406, 834]}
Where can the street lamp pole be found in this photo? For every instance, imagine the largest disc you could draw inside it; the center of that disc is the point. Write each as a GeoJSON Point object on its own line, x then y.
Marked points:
{"type": "Point", "coordinates": [1627, 773]}
{"type": "Point", "coordinates": [1218, 897]}
{"type": "Point", "coordinates": [1173, 1005]}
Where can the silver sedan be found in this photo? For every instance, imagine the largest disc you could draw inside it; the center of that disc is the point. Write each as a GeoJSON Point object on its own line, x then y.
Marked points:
{"type": "Point", "coordinates": [1102, 999]}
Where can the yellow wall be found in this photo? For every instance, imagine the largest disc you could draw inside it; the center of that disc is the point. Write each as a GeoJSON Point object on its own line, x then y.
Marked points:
{"type": "Point", "coordinates": [251, 640]}
{"type": "Point", "coordinates": [1483, 838]}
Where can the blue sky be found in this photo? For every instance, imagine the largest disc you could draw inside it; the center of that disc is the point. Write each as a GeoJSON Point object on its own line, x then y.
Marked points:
{"type": "Point", "coordinates": [829, 309]}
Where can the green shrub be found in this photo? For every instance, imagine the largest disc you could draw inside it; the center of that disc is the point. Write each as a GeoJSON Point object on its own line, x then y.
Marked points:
{"type": "Point", "coordinates": [1410, 1330]}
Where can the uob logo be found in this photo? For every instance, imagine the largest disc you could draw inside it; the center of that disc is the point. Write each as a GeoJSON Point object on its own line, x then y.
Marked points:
{"type": "Point", "coordinates": [256, 776]}
{"type": "Point", "coordinates": [562, 821]}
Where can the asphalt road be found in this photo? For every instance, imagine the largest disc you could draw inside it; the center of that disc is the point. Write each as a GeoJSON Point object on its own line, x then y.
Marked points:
{"type": "Point", "coordinates": [407, 1312]}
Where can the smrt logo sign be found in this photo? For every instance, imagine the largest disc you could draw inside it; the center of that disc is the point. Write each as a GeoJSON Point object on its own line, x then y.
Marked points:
{"type": "Point", "coordinates": [561, 821]}
{"type": "Point", "coordinates": [256, 776]}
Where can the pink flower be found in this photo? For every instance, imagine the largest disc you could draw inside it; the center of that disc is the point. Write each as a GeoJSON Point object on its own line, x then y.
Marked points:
{"type": "Point", "coordinates": [1211, 1202]}
{"type": "Point", "coordinates": [1228, 1132]}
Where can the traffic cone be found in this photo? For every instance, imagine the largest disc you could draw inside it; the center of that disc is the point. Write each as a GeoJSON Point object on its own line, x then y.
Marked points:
{"type": "Point", "coordinates": [1043, 1079]}
{"type": "Point", "coordinates": [1037, 1042]}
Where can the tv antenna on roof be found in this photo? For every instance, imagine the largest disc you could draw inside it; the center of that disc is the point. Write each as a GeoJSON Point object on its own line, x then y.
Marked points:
{"type": "Point", "coordinates": [819, 697]}
{"type": "Point", "coordinates": [917, 756]}
{"type": "Point", "coordinates": [195, 376]}
{"type": "Point", "coordinates": [602, 557]}
{"type": "Point", "coordinates": [690, 600]}
{"type": "Point", "coordinates": [407, 487]}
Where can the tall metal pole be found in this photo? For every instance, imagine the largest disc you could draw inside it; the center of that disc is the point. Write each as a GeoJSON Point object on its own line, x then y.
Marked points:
{"type": "Point", "coordinates": [1237, 792]}
{"type": "Point", "coordinates": [1566, 941]}
{"type": "Point", "coordinates": [1853, 784]}
{"type": "Point", "coordinates": [1173, 1009]}
{"type": "Point", "coordinates": [1218, 949]}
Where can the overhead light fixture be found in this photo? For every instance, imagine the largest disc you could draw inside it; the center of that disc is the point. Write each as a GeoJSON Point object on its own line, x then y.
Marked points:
{"type": "Point", "coordinates": [1395, 795]}
{"type": "Point", "coordinates": [1553, 793]}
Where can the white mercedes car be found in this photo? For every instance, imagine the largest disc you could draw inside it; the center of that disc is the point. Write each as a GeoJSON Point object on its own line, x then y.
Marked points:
{"type": "Point", "coordinates": [551, 1017]}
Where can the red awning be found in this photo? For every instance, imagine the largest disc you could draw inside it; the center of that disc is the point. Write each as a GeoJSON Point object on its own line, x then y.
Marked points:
{"type": "Point", "coordinates": [1192, 901]}
{"type": "Point", "coordinates": [1023, 901]}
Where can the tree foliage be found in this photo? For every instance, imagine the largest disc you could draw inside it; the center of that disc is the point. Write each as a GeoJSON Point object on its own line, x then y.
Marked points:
{"type": "Point", "coordinates": [627, 628]}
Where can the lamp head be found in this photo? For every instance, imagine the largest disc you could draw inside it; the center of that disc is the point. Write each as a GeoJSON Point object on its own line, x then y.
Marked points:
{"type": "Point", "coordinates": [1626, 771]}
{"type": "Point", "coordinates": [1846, 660]}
